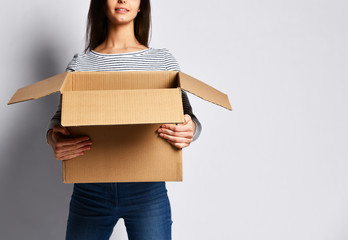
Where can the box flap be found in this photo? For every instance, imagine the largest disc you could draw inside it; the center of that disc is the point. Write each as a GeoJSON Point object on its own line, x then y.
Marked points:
{"type": "Point", "coordinates": [203, 90]}
{"type": "Point", "coordinates": [113, 107]}
{"type": "Point", "coordinates": [39, 89]}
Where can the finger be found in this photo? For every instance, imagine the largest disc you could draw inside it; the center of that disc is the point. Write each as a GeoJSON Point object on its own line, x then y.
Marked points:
{"type": "Point", "coordinates": [177, 128]}
{"type": "Point", "coordinates": [61, 129]}
{"type": "Point", "coordinates": [166, 131]}
{"type": "Point", "coordinates": [176, 134]}
{"type": "Point", "coordinates": [71, 141]}
{"type": "Point", "coordinates": [70, 153]}
{"type": "Point", "coordinates": [186, 123]}
{"type": "Point", "coordinates": [175, 139]}
{"type": "Point", "coordinates": [67, 148]}
{"type": "Point", "coordinates": [178, 145]}
{"type": "Point", "coordinates": [67, 157]}
{"type": "Point", "coordinates": [187, 118]}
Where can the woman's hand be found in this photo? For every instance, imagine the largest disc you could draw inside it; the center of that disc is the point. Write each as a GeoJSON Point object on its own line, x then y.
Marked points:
{"type": "Point", "coordinates": [179, 135]}
{"type": "Point", "coordinates": [67, 148]}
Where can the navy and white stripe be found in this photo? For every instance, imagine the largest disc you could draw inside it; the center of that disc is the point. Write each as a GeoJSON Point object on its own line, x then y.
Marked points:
{"type": "Point", "coordinates": [149, 59]}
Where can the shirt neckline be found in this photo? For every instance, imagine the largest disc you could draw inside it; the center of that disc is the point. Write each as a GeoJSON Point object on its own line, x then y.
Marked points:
{"type": "Point", "coordinates": [120, 54]}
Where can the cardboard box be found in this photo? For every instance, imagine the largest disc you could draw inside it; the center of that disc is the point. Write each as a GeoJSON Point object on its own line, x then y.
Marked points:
{"type": "Point", "coordinates": [121, 112]}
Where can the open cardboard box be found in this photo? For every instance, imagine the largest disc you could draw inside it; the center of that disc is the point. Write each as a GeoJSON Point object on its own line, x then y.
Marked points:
{"type": "Point", "coordinates": [121, 112]}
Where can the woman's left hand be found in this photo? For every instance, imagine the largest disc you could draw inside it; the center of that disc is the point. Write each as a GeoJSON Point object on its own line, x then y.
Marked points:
{"type": "Point", "coordinates": [179, 135]}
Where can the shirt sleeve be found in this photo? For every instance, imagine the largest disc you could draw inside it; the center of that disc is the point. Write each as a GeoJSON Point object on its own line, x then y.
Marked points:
{"type": "Point", "coordinates": [172, 65]}
{"type": "Point", "coordinates": [56, 119]}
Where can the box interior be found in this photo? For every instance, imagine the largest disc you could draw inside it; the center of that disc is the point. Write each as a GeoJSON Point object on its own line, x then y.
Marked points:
{"type": "Point", "coordinates": [86, 81]}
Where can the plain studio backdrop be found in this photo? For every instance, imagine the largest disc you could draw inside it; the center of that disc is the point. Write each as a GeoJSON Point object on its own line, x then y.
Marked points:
{"type": "Point", "coordinates": [273, 168]}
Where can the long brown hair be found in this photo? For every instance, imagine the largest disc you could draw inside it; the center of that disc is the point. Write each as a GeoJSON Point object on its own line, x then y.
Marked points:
{"type": "Point", "coordinates": [97, 24]}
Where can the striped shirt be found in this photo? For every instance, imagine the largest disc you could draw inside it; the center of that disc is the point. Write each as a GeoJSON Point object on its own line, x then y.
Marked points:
{"type": "Point", "coordinates": [149, 59]}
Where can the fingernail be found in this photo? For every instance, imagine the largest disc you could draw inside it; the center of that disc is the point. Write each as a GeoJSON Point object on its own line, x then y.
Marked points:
{"type": "Point", "coordinates": [164, 125]}
{"type": "Point", "coordinates": [160, 130]}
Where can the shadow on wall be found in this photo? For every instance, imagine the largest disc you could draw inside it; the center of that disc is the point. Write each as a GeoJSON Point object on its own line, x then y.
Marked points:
{"type": "Point", "coordinates": [34, 202]}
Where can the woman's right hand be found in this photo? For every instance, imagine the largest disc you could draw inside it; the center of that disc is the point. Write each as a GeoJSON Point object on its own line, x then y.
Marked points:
{"type": "Point", "coordinates": [65, 148]}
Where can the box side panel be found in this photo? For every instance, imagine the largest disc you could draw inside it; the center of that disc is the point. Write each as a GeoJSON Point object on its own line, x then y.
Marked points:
{"type": "Point", "coordinates": [203, 90]}
{"type": "Point", "coordinates": [39, 89]}
{"type": "Point", "coordinates": [108, 107]}
{"type": "Point", "coordinates": [64, 171]}
{"type": "Point", "coordinates": [123, 80]}
{"type": "Point", "coordinates": [124, 154]}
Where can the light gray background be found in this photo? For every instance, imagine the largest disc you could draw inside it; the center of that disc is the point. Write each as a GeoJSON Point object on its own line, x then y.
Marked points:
{"type": "Point", "coordinates": [273, 168]}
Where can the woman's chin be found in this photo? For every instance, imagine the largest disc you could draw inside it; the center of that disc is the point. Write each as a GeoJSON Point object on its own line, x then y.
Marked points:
{"type": "Point", "coordinates": [121, 21]}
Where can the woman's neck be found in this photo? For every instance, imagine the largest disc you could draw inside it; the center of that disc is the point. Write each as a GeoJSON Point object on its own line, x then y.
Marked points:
{"type": "Point", "coordinates": [120, 39]}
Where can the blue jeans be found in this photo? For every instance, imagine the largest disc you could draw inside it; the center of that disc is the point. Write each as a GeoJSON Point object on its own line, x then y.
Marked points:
{"type": "Point", "coordinates": [96, 207]}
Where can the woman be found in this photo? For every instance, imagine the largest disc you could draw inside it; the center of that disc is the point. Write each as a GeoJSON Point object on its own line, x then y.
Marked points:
{"type": "Point", "coordinates": [117, 40]}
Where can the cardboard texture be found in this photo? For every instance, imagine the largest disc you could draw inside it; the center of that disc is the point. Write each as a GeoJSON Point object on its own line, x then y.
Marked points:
{"type": "Point", "coordinates": [121, 112]}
